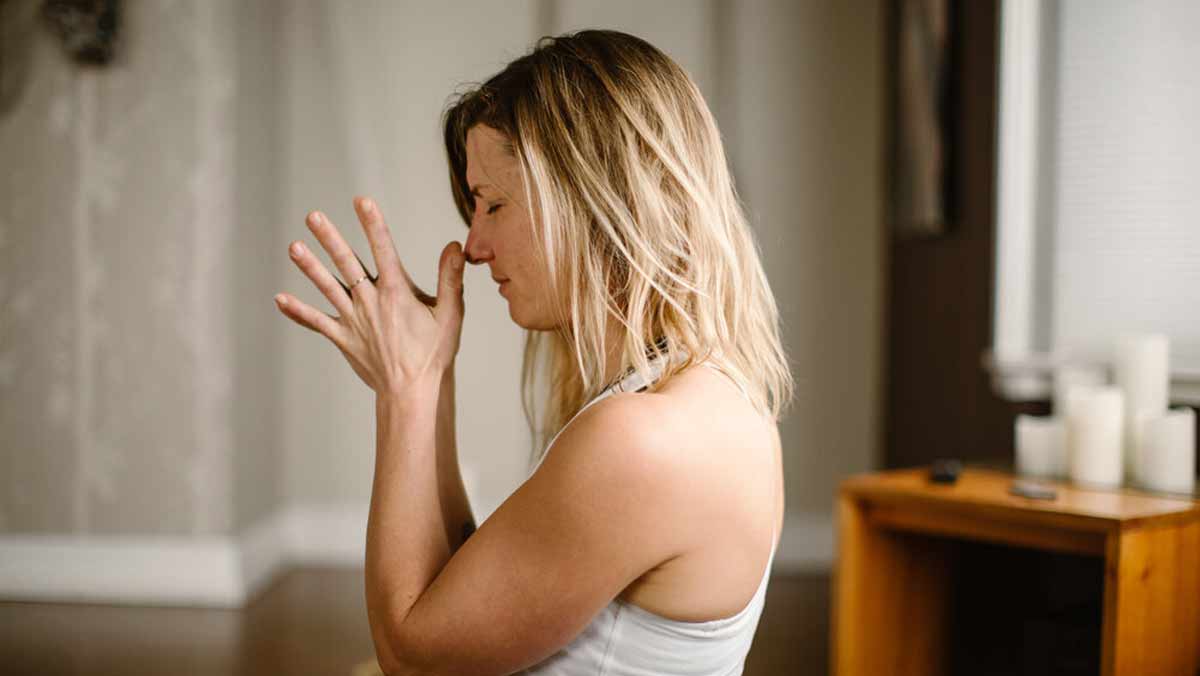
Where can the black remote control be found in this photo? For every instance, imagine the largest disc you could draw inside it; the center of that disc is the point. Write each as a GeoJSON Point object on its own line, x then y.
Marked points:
{"type": "Point", "coordinates": [945, 471]}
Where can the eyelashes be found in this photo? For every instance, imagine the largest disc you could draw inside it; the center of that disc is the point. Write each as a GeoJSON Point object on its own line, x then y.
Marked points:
{"type": "Point", "coordinates": [494, 209]}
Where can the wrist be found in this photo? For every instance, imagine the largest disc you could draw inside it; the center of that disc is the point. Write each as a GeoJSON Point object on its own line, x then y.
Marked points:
{"type": "Point", "coordinates": [414, 395]}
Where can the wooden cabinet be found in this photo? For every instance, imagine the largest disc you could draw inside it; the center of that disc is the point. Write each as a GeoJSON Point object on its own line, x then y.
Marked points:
{"type": "Point", "coordinates": [897, 537]}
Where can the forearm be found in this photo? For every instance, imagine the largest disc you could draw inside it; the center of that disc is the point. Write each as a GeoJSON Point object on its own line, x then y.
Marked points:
{"type": "Point", "coordinates": [406, 538]}
{"type": "Point", "coordinates": [457, 519]}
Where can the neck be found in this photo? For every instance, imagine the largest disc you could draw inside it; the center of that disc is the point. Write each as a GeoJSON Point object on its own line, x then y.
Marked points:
{"type": "Point", "coordinates": [615, 332]}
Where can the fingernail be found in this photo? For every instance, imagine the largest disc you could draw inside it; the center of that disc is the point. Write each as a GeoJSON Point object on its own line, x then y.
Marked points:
{"type": "Point", "coordinates": [314, 218]}
{"type": "Point", "coordinates": [280, 300]}
{"type": "Point", "coordinates": [367, 205]}
{"type": "Point", "coordinates": [297, 248]}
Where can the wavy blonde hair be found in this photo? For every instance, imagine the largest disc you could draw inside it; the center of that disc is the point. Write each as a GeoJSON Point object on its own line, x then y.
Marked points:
{"type": "Point", "coordinates": [640, 221]}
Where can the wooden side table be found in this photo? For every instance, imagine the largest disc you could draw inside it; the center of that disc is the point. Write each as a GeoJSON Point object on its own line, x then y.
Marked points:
{"type": "Point", "coordinates": [890, 610]}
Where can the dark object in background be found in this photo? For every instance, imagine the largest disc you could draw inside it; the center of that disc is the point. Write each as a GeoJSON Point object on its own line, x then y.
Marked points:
{"type": "Point", "coordinates": [17, 24]}
{"type": "Point", "coordinates": [945, 471]}
{"type": "Point", "coordinates": [87, 28]}
{"type": "Point", "coordinates": [924, 80]}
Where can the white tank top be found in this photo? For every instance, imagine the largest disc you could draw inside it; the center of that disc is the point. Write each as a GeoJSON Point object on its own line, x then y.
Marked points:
{"type": "Point", "coordinates": [626, 640]}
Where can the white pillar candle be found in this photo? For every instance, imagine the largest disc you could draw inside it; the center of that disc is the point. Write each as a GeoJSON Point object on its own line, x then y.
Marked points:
{"type": "Point", "coordinates": [1094, 435]}
{"type": "Point", "coordinates": [1041, 447]}
{"type": "Point", "coordinates": [1070, 375]}
{"type": "Point", "coordinates": [1167, 451]}
{"type": "Point", "coordinates": [1141, 371]}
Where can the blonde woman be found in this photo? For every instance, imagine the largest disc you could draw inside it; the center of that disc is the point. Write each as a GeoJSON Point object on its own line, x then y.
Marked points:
{"type": "Point", "coordinates": [592, 179]}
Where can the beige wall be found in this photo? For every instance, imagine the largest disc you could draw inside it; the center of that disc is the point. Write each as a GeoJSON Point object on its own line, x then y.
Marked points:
{"type": "Point", "coordinates": [147, 383]}
{"type": "Point", "coordinates": [137, 378]}
{"type": "Point", "coordinates": [363, 91]}
{"type": "Point", "coordinates": [258, 450]}
{"type": "Point", "coordinates": [806, 145]}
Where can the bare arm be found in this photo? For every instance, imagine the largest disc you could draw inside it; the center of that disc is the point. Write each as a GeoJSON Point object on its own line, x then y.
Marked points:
{"type": "Point", "coordinates": [585, 525]}
{"type": "Point", "coordinates": [406, 535]}
{"type": "Point", "coordinates": [419, 510]}
{"type": "Point", "coordinates": [404, 350]}
{"type": "Point", "coordinates": [458, 521]}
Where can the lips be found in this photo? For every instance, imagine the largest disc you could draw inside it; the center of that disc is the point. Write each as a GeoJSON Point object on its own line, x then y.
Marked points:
{"type": "Point", "coordinates": [501, 281]}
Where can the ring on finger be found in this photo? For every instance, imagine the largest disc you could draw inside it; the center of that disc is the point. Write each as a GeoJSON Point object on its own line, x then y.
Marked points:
{"type": "Point", "coordinates": [358, 281]}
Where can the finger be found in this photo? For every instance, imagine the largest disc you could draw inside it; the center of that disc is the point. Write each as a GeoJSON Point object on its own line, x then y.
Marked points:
{"type": "Point", "coordinates": [370, 277]}
{"type": "Point", "coordinates": [339, 251]}
{"type": "Point", "coordinates": [309, 317]}
{"type": "Point", "coordinates": [325, 282]}
{"type": "Point", "coordinates": [387, 261]}
{"type": "Point", "coordinates": [364, 267]}
{"type": "Point", "coordinates": [449, 307]}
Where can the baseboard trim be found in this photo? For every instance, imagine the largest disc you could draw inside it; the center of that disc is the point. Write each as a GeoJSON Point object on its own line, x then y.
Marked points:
{"type": "Point", "coordinates": [212, 571]}
{"type": "Point", "coordinates": [120, 569]}
{"type": "Point", "coordinates": [228, 572]}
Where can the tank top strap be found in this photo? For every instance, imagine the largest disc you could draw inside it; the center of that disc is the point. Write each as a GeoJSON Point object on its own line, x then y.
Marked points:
{"type": "Point", "coordinates": [630, 382]}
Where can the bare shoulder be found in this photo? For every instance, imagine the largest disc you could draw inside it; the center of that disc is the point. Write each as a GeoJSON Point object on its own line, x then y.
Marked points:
{"type": "Point", "coordinates": [612, 475]}
{"type": "Point", "coordinates": [731, 509]}
{"type": "Point", "coordinates": [622, 440]}
{"type": "Point", "coordinates": [697, 421]}
{"type": "Point", "coordinates": [696, 447]}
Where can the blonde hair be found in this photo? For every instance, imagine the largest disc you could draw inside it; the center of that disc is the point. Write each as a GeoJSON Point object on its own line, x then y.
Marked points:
{"type": "Point", "coordinates": [639, 220]}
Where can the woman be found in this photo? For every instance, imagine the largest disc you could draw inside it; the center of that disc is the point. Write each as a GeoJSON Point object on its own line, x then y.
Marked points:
{"type": "Point", "coordinates": [592, 178]}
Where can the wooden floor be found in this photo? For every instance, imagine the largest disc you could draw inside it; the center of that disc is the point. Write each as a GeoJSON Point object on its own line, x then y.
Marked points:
{"type": "Point", "coordinates": [314, 621]}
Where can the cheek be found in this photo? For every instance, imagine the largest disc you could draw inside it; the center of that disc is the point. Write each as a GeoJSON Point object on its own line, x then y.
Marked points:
{"type": "Point", "coordinates": [518, 248]}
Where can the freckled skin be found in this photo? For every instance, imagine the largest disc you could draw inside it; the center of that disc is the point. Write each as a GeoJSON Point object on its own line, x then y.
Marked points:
{"type": "Point", "coordinates": [503, 238]}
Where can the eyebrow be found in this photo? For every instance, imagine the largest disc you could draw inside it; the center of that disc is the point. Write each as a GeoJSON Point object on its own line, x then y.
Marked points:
{"type": "Point", "coordinates": [475, 188]}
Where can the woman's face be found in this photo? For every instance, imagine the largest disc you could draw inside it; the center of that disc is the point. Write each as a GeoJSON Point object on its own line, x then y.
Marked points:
{"type": "Point", "coordinates": [501, 234]}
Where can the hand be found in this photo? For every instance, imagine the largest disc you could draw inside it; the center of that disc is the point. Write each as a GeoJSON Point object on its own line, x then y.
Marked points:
{"type": "Point", "coordinates": [393, 334]}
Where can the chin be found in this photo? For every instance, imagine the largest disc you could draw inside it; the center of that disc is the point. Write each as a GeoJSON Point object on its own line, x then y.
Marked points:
{"type": "Point", "coordinates": [517, 317]}
{"type": "Point", "coordinates": [525, 321]}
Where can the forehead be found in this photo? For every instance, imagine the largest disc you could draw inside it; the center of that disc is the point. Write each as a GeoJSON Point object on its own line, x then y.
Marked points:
{"type": "Point", "coordinates": [487, 159]}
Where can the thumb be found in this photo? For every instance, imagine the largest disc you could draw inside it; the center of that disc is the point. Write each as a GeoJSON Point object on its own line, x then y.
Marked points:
{"type": "Point", "coordinates": [450, 284]}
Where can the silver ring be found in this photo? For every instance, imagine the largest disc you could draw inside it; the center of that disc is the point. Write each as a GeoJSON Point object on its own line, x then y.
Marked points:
{"type": "Point", "coordinates": [358, 281]}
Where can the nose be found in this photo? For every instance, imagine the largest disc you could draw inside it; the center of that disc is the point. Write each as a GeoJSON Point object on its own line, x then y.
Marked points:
{"type": "Point", "coordinates": [478, 248]}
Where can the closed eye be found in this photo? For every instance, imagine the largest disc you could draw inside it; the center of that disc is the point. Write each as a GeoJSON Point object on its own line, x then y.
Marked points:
{"type": "Point", "coordinates": [493, 209]}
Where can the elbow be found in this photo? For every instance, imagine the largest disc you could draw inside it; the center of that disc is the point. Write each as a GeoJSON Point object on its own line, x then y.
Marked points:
{"type": "Point", "coordinates": [398, 663]}
{"type": "Point", "coordinates": [402, 658]}
{"type": "Point", "coordinates": [388, 664]}
{"type": "Point", "coordinates": [393, 656]}
{"type": "Point", "coordinates": [388, 667]}
{"type": "Point", "coordinates": [412, 664]}
{"type": "Point", "coordinates": [409, 654]}
{"type": "Point", "coordinates": [399, 667]}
